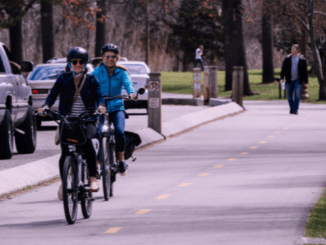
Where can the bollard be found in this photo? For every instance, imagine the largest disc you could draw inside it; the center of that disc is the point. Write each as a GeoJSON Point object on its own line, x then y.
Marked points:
{"type": "Point", "coordinates": [304, 92]}
{"type": "Point", "coordinates": [213, 82]}
{"type": "Point", "coordinates": [206, 85]}
{"type": "Point", "coordinates": [237, 84]}
{"type": "Point", "coordinates": [197, 83]}
{"type": "Point", "coordinates": [210, 83]}
{"type": "Point", "coordinates": [155, 102]}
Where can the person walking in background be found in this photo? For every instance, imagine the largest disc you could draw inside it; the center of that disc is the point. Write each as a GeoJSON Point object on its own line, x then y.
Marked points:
{"type": "Point", "coordinates": [198, 59]}
{"type": "Point", "coordinates": [294, 69]}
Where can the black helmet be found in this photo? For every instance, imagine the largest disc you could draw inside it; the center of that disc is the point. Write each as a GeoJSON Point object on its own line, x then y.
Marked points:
{"type": "Point", "coordinates": [110, 47]}
{"type": "Point", "coordinates": [77, 53]}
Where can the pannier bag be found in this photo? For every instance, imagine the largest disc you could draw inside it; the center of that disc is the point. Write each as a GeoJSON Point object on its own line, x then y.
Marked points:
{"type": "Point", "coordinates": [132, 140]}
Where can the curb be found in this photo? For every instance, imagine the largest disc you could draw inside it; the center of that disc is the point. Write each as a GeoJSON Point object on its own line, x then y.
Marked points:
{"type": "Point", "coordinates": [43, 170]}
{"type": "Point", "coordinates": [310, 240]}
{"type": "Point", "coordinates": [18, 178]}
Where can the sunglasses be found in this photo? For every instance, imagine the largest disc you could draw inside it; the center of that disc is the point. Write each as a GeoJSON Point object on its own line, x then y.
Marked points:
{"type": "Point", "coordinates": [110, 57]}
{"type": "Point", "coordinates": [75, 62]}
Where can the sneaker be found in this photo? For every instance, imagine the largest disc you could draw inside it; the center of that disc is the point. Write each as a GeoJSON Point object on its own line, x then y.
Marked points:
{"type": "Point", "coordinates": [60, 195]}
{"type": "Point", "coordinates": [295, 112]}
{"type": "Point", "coordinates": [122, 168]}
{"type": "Point", "coordinates": [94, 186]}
{"type": "Point", "coordinates": [291, 111]}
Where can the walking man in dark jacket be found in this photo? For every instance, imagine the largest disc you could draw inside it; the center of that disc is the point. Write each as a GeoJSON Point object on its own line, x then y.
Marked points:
{"type": "Point", "coordinates": [294, 69]}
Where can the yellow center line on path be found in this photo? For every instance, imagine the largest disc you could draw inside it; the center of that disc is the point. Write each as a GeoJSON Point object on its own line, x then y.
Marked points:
{"type": "Point", "coordinates": [203, 174]}
{"type": "Point", "coordinates": [277, 132]}
{"type": "Point", "coordinates": [185, 184]}
{"type": "Point", "coordinates": [253, 147]}
{"type": "Point", "coordinates": [143, 211]}
{"type": "Point", "coordinates": [113, 230]}
{"type": "Point", "coordinates": [270, 137]}
{"type": "Point", "coordinates": [262, 142]}
{"type": "Point", "coordinates": [243, 153]}
{"type": "Point", "coordinates": [231, 159]}
{"type": "Point", "coordinates": [218, 166]}
{"type": "Point", "coordinates": [161, 197]}
{"type": "Point", "coordinates": [285, 128]}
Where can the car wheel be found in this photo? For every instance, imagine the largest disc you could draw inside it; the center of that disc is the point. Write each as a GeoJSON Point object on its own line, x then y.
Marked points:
{"type": "Point", "coordinates": [7, 136]}
{"type": "Point", "coordinates": [26, 143]}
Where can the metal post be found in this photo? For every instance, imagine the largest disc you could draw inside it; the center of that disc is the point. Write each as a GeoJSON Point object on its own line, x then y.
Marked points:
{"type": "Point", "coordinates": [155, 102]}
{"type": "Point", "coordinates": [197, 83]}
{"type": "Point", "coordinates": [237, 84]}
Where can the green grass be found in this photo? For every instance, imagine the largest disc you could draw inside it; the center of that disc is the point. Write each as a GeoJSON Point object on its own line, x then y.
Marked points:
{"type": "Point", "coordinates": [181, 83]}
{"type": "Point", "coordinates": [316, 225]}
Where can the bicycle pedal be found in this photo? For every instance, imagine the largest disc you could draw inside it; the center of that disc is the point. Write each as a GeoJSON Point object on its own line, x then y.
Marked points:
{"type": "Point", "coordinates": [92, 199]}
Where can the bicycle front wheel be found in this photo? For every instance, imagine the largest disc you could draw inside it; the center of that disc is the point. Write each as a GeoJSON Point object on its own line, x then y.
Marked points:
{"type": "Point", "coordinates": [69, 190]}
{"type": "Point", "coordinates": [106, 171]}
{"type": "Point", "coordinates": [86, 199]}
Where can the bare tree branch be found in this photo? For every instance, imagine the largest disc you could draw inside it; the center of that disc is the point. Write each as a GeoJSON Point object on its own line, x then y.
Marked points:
{"type": "Point", "coordinates": [321, 13]}
{"type": "Point", "coordinates": [304, 24]}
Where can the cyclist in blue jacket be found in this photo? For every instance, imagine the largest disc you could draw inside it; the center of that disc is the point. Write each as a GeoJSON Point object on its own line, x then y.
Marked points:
{"type": "Point", "coordinates": [111, 78]}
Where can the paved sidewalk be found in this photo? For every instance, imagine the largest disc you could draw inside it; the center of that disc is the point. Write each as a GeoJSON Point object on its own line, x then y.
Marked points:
{"type": "Point", "coordinates": [175, 119]}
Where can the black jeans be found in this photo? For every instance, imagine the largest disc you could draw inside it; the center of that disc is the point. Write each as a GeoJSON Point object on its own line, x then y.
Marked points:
{"type": "Point", "coordinates": [200, 62]}
{"type": "Point", "coordinates": [88, 149]}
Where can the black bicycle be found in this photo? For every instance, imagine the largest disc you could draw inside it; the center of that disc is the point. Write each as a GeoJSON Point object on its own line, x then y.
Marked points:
{"type": "Point", "coordinates": [75, 175]}
{"type": "Point", "coordinates": [108, 155]}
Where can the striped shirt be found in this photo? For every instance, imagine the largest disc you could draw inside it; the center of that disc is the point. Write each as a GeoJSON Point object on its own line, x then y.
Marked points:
{"type": "Point", "coordinates": [78, 107]}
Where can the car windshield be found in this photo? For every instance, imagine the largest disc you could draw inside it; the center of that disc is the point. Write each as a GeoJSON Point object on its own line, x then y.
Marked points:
{"type": "Point", "coordinates": [136, 68]}
{"type": "Point", "coordinates": [46, 72]}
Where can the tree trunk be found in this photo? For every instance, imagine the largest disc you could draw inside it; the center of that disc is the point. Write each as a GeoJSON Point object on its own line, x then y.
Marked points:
{"type": "Point", "coordinates": [267, 43]}
{"type": "Point", "coordinates": [47, 30]}
{"type": "Point", "coordinates": [16, 48]}
{"type": "Point", "coordinates": [316, 55]}
{"type": "Point", "coordinates": [147, 34]}
{"type": "Point", "coordinates": [236, 55]}
{"type": "Point", "coordinates": [227, 19]}
{"type": "Point", "coordinates": [100, 28]}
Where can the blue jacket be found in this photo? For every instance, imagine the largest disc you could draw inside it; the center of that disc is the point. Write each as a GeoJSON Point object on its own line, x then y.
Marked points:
{"type": "Point", "coordinates": [112, 86]}
{"type": "Point", "coordinates": [65, 87]}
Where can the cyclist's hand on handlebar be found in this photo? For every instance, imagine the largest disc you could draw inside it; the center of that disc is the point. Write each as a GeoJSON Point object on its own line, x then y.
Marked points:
{"type": "Point", "coordinates": [102, 109]}
{"type": "Point", "coordinates": [132, 96]}
{"type": "Point", "coordinates": [40, 111]}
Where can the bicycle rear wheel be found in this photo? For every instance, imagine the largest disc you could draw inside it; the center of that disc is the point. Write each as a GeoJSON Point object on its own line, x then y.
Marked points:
{"type": "Point", "coordinates": [113, 165]}
{"type": "Point", "coordinates": [86, 198]}
{"type": "Point", "coordinates": [106, 171]}
{"type": "Point", "coordinates": [69, 190]}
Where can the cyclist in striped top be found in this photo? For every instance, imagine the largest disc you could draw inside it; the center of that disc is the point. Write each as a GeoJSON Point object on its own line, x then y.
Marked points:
{"type": "Point", "coordinates": [89, 99]}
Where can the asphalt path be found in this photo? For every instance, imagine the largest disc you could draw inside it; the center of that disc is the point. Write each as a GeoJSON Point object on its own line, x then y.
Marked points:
{"type": "Point", "coordinates": [247, 179]}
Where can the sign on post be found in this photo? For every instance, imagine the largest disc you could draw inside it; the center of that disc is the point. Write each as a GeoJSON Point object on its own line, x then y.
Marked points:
{"type": "Point", "coordinates": [196, 83]}
{"type": "Point", "coordinates": [154, 102]}
{"type": "Point", "coordinates": [237, 84]}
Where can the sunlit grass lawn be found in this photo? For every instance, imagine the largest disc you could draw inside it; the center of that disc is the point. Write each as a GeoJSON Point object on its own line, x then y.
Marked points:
{"type": "Point", "coordinates": [181, 83]}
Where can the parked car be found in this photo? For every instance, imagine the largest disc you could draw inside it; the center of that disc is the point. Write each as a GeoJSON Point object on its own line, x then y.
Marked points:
{"type": "Point", "coordinates": [41, 80]}
{"type": "Point", "coordinates": [16, 111]}
{"type": "Point", "coordinates": [139, 76]}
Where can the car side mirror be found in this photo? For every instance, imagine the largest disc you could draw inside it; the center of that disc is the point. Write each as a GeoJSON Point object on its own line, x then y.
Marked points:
{"type": "Point", "coordinates": [141, 91]}
{"type": "Point", "coordinates": [26, 66]}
